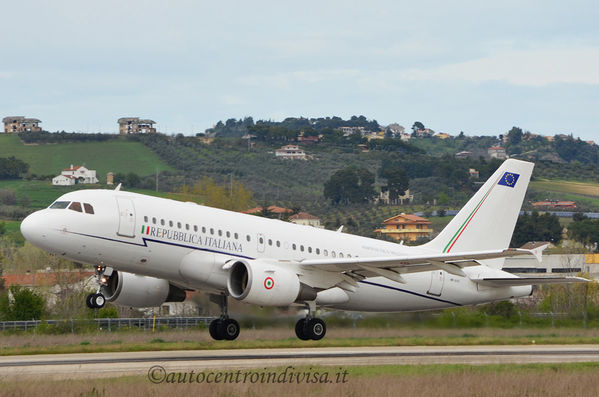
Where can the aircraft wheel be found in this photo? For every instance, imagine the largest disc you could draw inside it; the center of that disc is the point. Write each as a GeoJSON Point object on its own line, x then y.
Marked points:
{"type": "Point", "coordinates": [215, 329]}
{"type": "Point", "coordinates": [230, 329]}
{"type": "Point", "coordinates": [300, 329]}
{"type": "Point", "coordinates": [315, 328]}
{"type": "Point", "coordinates": [98, 301]}
{"type": "Point", "coordinates": [89, 302]}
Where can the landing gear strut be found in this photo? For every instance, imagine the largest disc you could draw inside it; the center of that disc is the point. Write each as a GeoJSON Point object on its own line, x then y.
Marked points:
{"type": "Point", "coordinates": [97, 300]}
{"type": "Point", "coordinates": [223, 327]}
{"type": "Point", "coordinates": [310, 327]}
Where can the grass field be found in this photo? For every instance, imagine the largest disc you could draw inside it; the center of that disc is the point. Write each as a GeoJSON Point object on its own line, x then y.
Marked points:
{"type": "Point", "coordinates": [586, 193]}
{"type": "Point", "coordinates": [283, 337]}
{"type": "Point", "coordinates": [447, 380]}
{"type": "Point", "coordinates": [116, 155]}
{"type": "Point", "coordinates": [42, 193]}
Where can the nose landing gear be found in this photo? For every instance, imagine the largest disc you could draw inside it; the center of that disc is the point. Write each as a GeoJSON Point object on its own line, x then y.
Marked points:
{"type": "Point", "coordinates": [97, 300]}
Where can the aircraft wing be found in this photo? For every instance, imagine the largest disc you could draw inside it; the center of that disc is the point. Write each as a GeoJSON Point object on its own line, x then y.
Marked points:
{"type": "Point", "coordinates": [516, 281]}
{"type": "Point", "coordinates": [393, 266]}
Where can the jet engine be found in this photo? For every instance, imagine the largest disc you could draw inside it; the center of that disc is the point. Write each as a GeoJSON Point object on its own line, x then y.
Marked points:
{"type": "Point", "coordinates": [127, 289]}
{"type": "Point", "coordinates": [266, 284]}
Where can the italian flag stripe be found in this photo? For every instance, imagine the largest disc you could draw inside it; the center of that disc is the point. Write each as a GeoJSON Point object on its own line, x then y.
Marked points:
{"type": "Point", "coordinates": [457, 234]}
{"type": "Point", "coordinates": [143, 229]}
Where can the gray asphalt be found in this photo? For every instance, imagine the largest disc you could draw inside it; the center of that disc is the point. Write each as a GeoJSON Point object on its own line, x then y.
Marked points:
{"type": "Point", "coordinates": [138, 363]}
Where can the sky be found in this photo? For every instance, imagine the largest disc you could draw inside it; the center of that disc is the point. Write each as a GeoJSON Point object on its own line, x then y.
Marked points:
{"type": "Point", "coordinates": [474, 66]}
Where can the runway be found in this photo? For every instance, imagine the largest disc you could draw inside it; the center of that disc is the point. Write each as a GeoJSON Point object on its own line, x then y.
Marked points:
{"type": "Point", "coordinates": [84, 365]}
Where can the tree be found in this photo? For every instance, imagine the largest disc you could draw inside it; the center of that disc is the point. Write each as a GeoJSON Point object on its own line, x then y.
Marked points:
{"type": "Point", "coordinates": [24, 305]}
{"type": "Point", "coordinates": [12, 168]}
{"type": "Point", "coordinates": [350, 185]}
{"type": "Point", "coordinates": [234, 197]}
{"type": "Point", "coordinates": [535, 227]}
{"type": "Point", "coordinates": [397, 181]}
{"type": "Point", "coordinates": [515, 135]}
{"type": "Point", "coordinates": [417, 126]}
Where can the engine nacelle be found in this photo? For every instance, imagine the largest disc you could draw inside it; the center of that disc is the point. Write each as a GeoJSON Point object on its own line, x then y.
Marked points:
{"type": "Point", "coordinates": [127, 289]}
{"type": "Point", "coordinates": [263, 283]}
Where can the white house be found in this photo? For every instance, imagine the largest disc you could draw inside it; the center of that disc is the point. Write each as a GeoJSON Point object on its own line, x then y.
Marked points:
{"type": "Point", "coordinates": [291, 152]}
{"type": "Point", "coordinates": [75, 174]}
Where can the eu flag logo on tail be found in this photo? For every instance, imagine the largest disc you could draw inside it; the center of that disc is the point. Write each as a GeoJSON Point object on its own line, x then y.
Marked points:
{"type": "Point", "coordinates": [509, 179]}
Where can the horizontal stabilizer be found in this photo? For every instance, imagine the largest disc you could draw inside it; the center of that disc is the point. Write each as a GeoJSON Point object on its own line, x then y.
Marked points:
{"type": "Point", "coordinates": [517, 281]}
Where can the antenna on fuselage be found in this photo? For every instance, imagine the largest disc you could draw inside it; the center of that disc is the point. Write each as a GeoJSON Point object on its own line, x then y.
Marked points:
{"type": "Point", "coordinates": [118, 188]}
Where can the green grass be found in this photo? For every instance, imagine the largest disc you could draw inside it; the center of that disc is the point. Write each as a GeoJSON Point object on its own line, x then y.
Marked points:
{"type": "Point", "coordinates": [159, 344]}
{"type": "Point", "coordinates": [116, 155]}
{"type": "Point", "coordinates": [42, 193]}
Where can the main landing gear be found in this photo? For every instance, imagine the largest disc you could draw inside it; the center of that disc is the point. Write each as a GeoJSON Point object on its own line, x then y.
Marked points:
{"type": "Point", "coordinates": [97, 300]}
{"type": "Point", "coordinates": [223, 327]}
{"type": "Point", "coordinates": [310, 327]}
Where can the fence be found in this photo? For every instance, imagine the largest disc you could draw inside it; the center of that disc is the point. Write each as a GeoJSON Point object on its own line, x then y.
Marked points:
{"type": "Point", "coordinates": [109, 324]}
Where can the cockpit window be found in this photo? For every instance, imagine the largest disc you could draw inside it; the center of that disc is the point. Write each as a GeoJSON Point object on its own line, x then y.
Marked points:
{"type": "Point", "coordinates": [88, 208]}
{"type": "Point", "coordinates": [60, 205]}
{"type": "Point", "coordinates": [75, 206]}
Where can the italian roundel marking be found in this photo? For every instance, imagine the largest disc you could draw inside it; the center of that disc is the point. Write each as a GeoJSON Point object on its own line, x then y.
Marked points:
{"type": "Point", "coordinates": [269, 283]}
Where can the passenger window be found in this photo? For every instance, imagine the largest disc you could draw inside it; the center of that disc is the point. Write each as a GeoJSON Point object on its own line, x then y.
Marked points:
{"type": "Point", "coordinates": [349, 255]}
{"type": "Point", "coordinates": [293, 246]}
{"type": "Point", "coordinates": [220, 233]}
{"type": "Point", "coordinates": [162, 222]}
{"type": "Point", "coordinates": [195, 228]}
{"type": "Point", "coordinates": [340, 255]}
{"type": "Point", "coordinates": [326, 253]}
{"type": "Point", "coordinates": [269, 242]}
{"type": "Point", "coordinates": [60, 205]}
{"type": "Point", "coordinates": [187, 226]}
{"type": "Point", "coordinates": [333, 254]}
{"type": "Point", "coordinates": [154, 221]}
{"type": "Point", "coordinates": [302, 248]}
{"type": "Point", "coordinates": [89, 209]}
{"type": "Point", "coordinates": [228, 234]}
{"type": "Point", "coordinates": [317, 251]}
{"type": "Point", "coordinates": [203, 229]}
{"type": "Point", "coordinates": [145, 217]}
{"type": "Point", "coordinates": [75, 206]}
{"type": "Point", "coordinates": [248, 238]}
{"type": "Point", "coordinates": [261, 240]}
{"type": "Point", "coordinates": [170, 223]}
{"type": "Point", "coordinates": [278, 243]}
{"type": "Point", "coordinates": [236, 236]}
{"type": "Point", "coordinates": [310, 250]}
{"type": "Point", "coordinates": [211, 231]}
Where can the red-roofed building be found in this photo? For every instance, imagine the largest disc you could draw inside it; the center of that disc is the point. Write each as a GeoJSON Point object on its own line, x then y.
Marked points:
{"type": "Point", "coordinates": [406, 227]}
{"type": "Point", "coordinates": [497, 152]}
{"type": "Point", "coordinates": [304, 218]}
{"type": "Point", "coordinates": [272, 211]}
{"type": "Point", "coordinates": [75, 174]}
{"type": "Point", "coordinates": [555, 204]}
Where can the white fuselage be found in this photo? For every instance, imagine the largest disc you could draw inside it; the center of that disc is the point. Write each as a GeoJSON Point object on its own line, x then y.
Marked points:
{"type": "Point", "coordinates": [151, 236]}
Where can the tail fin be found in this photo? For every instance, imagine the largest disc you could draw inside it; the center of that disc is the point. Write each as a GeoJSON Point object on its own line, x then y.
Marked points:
{"type": "Point", "coordinates": [487, 221]}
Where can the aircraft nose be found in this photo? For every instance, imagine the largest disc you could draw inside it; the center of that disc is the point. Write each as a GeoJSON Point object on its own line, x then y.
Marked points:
{"type": "Point", "coordinates": [32, 230]}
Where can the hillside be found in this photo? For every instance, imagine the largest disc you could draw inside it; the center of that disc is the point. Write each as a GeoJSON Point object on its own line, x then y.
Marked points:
{"type": "Point", "coordinates": [116, 155]}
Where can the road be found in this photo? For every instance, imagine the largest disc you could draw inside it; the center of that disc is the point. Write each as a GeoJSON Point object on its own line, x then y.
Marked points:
{"type": "Point", "coordinates": [83, 365]}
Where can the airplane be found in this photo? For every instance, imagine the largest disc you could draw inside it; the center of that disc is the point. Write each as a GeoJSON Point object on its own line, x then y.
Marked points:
{"type": "Point", "coordinates": [148, 250]}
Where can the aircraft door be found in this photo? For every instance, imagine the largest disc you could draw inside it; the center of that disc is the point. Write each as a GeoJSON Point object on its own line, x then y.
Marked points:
{"type": "Point", "coordinates": [437, 279]}
{"type": "Point", "coordinates": [126, 217]}
{"type": "Point", "coordinates": [261, 242]}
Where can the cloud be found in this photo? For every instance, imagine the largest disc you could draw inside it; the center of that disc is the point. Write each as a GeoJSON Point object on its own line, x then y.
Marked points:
{"type": "Point", "coordinates": [519, 67]}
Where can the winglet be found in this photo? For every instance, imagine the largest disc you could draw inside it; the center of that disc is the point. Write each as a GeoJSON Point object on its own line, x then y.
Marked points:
{"type": "Point", "coordinates": [340, 229]}
{"type": "Point", "coordinates": [118, 188]}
